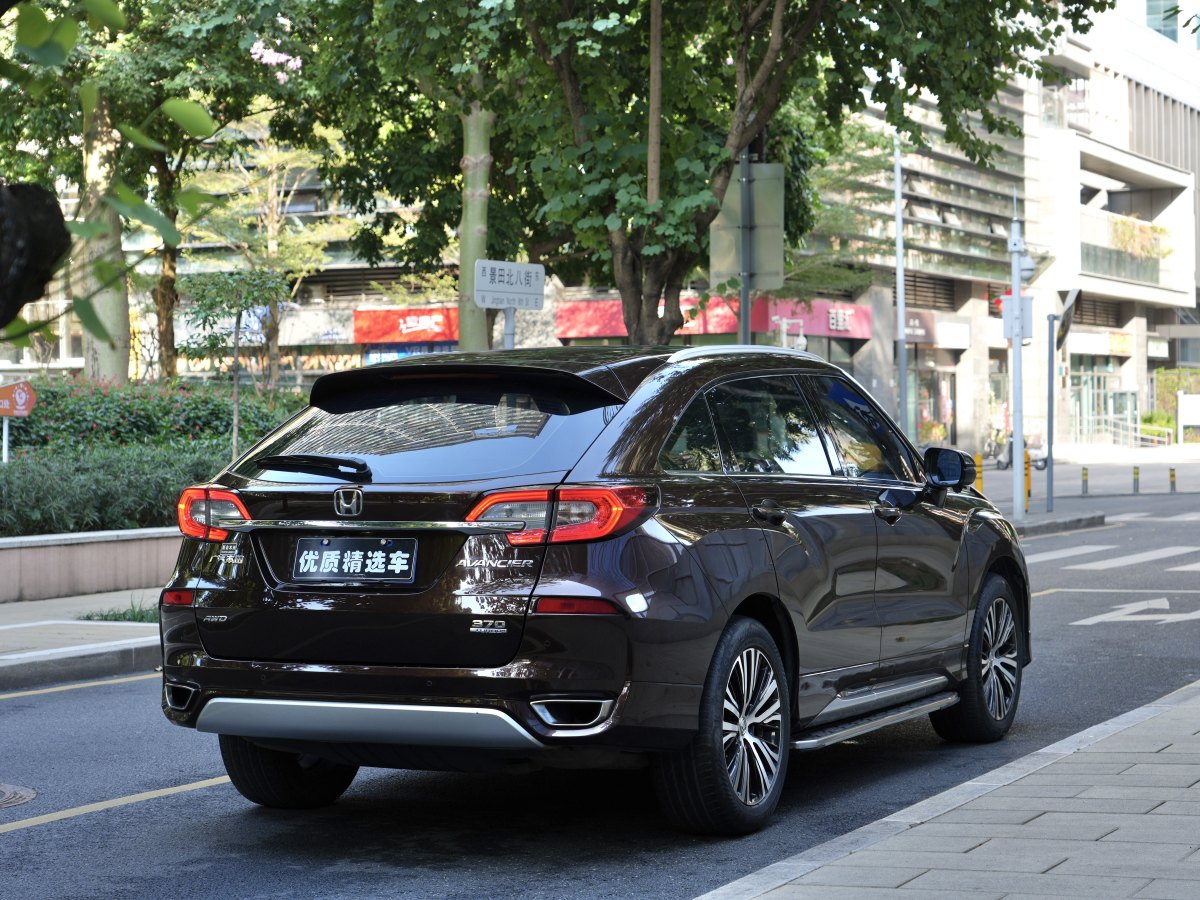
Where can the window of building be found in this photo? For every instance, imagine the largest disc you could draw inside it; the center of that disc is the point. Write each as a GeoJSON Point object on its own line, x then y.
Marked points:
{"type": "Point", "coordinates": [1163, 16]}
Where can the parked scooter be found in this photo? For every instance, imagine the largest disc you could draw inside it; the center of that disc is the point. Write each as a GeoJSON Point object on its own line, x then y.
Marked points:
{"type": "Point", "coordinates": [1037, 454]}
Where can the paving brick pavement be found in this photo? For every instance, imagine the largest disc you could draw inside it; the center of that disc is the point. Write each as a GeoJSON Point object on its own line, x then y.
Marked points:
{"type": "Point", "coordinates": [1113, 811]}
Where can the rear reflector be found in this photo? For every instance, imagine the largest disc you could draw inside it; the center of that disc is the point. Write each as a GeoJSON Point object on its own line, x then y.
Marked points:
{"type": "Point", "coordinates": [177, 598]}
{"type": "Point", "coordinates": [580, 513]}
{"type": "Point", "coordinates": [574, 606]}
{"type": "Point", "coordinates": [198, 508]}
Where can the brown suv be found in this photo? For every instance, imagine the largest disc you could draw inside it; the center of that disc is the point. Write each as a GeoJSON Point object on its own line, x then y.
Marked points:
{"type": "Point", "coordinates": [694, 559]}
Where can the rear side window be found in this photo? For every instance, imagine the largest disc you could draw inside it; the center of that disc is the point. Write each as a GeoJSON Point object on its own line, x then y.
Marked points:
{"type": "Point", "coordinates": [768, 428]}
{"type": "Point", "coordinates": [454, 434]}
{"type": "Point", "coordinates": [868, 445]}
{"type": "Point", "coordinates": [692, 446]}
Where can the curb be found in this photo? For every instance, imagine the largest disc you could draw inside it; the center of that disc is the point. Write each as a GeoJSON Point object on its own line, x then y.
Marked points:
{"type": "Point", "coordinates": [778, 875]}
{"type": "Point", "coordinates": [1052, 526]}
{"type": "Point", "coordinates": [106, 663]}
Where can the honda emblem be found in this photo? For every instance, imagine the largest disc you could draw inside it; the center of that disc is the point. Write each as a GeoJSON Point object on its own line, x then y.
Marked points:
{"type": "Point", "coordinates": [348, 501]}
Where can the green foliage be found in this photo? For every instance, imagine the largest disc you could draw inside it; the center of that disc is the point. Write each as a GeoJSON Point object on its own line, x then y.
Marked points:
{"type": "Point", "coordinates": [216, 298]}
{"type": "Point", "coordinates": [134, 612]}
{"type": "Point", "coordinates": [68, 488]}
{"type": "Point", "coordinates": [86, 415]}
{"type": "Point", "coordinates": [1168, 383]}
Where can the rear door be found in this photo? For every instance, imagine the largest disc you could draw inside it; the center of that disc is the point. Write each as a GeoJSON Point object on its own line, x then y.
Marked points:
{"type": "Point", "coordinates": [821, 530]}
{"type": "Point", "coordinates": [362, 546]}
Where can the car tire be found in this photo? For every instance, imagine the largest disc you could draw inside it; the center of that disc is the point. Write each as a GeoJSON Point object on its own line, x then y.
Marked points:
{"type": "Point", "coordinates": [729, 779]}
{"type": "Point", "coordinates": [992, 689]}
{"type": "Point", "coordinates": [283, 780]}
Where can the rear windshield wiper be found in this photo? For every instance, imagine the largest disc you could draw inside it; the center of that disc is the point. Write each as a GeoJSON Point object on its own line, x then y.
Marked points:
{"type": "Point", "coordinates": [346, 466]}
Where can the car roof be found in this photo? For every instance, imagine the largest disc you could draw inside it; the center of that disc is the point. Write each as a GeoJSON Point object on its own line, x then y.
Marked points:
{"type": "Point", "coordinates": [616, 370]}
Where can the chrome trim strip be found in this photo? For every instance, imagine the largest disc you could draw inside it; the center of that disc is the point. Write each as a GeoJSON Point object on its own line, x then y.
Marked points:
{"type": "Point", "coordinates": [496, 527]}
{"type": "Point", "coordinates": [835, 735]}
{"type": "Point", "coordinates": [860, 701]}
{"type": "Point", "coordinates": [380, 723]}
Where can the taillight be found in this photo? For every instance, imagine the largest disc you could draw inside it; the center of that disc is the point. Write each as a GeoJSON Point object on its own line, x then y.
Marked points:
{"type": "Point", "coordinates": [199, 508]}
{"type": "Point", "coordinates": [177, 598]}
{"type": "Point", "coordinates": [580, 513]}
{"type": "Point", "coordinates": [587, 514]}
{"type": "Point", "coordinates": [530, 507]}
{"type": "Point", "coordinates": [574, 606]}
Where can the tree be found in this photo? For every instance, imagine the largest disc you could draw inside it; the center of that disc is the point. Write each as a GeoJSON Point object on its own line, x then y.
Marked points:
{"type": "Point", "coordinates": [727, 70]}
{"type": "Point", "coordinates": [261, 184]}
{"type": "Point", "coordinates": [110, 103]}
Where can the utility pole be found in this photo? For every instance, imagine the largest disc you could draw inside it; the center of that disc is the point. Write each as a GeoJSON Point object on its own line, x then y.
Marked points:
{"type": "Point", "coordinates": [1022, 266]}
{"type": "Point", "coordinates": [901, 323]}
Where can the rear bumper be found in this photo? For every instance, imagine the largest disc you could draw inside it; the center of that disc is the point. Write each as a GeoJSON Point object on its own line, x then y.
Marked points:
{"type": "Point", "coordinates": [376, 723]}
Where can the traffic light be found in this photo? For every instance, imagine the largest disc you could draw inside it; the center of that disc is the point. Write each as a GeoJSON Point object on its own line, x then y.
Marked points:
{"type": "Point", "coordinates": [33, 240]}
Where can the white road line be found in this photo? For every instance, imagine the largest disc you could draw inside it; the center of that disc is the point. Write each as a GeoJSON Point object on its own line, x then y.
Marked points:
{"type": "Point", "coordinates": [1191, 567]}
{"type": "Point", "coordinates": [1064, 552]}
{"type": "Point", "coordinates": [1185, 517]}
{"type": "Point", "coordinates": [1134, 558]}
{"type": "Point", "coordinates": [1126, 517]}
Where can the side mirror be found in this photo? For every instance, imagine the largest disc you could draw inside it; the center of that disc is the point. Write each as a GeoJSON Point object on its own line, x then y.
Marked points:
{"type": "Point", "coordinates": [949, 469]}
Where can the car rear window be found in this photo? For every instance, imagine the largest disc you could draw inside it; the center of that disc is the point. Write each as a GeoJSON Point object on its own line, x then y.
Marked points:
{"type": "Point", "coordinates": [455, 433]}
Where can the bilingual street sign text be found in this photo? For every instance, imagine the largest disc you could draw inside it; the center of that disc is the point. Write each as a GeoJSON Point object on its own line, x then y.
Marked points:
{"type": "Point", "coordinates": [17, 399]}
{"type": "Point", "coordinates": [509, 285]}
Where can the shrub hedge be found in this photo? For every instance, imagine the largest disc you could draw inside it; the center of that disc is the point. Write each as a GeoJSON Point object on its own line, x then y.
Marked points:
{"type": "Point", "coordinates": [92, 413]}
{"type": "Point", "coordinates": [94, 457]}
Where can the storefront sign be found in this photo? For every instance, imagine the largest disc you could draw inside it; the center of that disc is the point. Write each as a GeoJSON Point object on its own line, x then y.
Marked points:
{"type": "Point", "coordinates": [309, 326]}
{"type": "Point", "coordinates": [1158, 348]}
{"type": "Point", "coordinates": [821, 318]}
{"type": "Point", "coordinates": [1100, 343]}
{"type": "Point", "coordinates": [920, 326]}
{"type": "Point", "coordinates": [405, 325]}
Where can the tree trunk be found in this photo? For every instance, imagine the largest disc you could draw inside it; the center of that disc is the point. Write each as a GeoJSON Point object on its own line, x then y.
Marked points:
{"type": "Point", "coordinates": [274, 226]}
{"type": "Point", "coordinates": [166, 294]}
{"type": "Point", "coordinates": [103, 360]}
{"type": "Point", "coordinates": [478, 125]}
{"type": "Point", "coordinates": [237, 381]}
{"type": "Point", "coordinates": [654, 129]}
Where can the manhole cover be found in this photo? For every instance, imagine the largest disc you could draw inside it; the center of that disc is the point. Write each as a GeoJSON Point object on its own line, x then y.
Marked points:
{"type": "Point", "coordinates": [11, 795]}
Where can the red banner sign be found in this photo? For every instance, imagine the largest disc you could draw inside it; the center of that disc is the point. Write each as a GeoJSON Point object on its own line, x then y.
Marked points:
{"type": "Point", "coordinates": [405, 325]}
{"type": "Point", "coordinates": [17, 399]}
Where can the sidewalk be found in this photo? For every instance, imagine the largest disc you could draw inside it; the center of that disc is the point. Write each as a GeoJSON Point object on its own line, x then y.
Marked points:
{"type": "Point", "coordinates": [44, 641]}
{"type": "Point", "coordinates": [1113, 811]}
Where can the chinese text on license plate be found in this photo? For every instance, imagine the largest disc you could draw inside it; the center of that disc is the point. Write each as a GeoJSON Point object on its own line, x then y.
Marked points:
{"type": "Point", "coordinates": [355, 559]}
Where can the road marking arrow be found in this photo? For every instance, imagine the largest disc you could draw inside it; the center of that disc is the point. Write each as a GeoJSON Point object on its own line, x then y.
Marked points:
{"type": "Point", "coordinates": [1135, 612]}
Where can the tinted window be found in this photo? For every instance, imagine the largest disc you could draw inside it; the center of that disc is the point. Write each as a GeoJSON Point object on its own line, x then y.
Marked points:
{"type": "Point", "coordinates": [451, 434]}
{"type": "Point", "coordinates": [692, 446]}
{"type": "Point", "coordinates": [869, 446]}
{"type": "Point", "coordinates": [767, 427]}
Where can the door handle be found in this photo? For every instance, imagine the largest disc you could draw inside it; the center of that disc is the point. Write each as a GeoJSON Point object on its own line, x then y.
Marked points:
{"type": "Point", "coordinates": [769, 511]}
{"type": "Point", "coordinates": [889, 514]}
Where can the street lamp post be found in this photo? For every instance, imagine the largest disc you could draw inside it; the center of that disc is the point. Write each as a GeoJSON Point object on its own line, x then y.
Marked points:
{"type": "Point", "coordinates": [1022, 267]}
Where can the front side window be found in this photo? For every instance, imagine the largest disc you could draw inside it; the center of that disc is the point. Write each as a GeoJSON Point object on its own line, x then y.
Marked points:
{"type": "Point", "coordinates": [692, 446]}
{"type": "Point", "coordinates": [868, 445]}
{"type": "Point", "coordinates": [767, 427]}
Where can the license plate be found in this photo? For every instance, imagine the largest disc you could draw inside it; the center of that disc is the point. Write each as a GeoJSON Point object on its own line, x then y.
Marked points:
{"type": "Point", "coordinates": [355, 559]}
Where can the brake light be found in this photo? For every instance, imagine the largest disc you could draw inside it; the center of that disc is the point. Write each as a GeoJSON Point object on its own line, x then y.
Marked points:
{"type": "Point", "coordinates": [580, 513]}
{"type": "Point", "coordinates": [198, 508]}
{"type": "Point", "coordinates": [177, 598]}
{"type": "Point", "coordinates": [574, 606]}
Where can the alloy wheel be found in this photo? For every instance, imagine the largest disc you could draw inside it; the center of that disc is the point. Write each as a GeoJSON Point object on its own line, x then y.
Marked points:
{"type": "Point", "coordinates": [998, 658]}
{"type": "Point", "coordinates": [750, 726]}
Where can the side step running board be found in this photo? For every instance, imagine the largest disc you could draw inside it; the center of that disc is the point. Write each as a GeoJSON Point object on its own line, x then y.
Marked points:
{"type": "Point", "coordinates": [844, 731]}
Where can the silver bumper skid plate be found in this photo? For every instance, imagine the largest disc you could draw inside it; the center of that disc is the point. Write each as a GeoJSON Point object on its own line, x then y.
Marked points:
{"type": "Point", "coordinates": [376, 723]}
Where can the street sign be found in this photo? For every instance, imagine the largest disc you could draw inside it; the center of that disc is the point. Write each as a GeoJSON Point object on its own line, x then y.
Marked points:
{"type": "Point", "coordinates": [509, 285]}
{"type": "Point", "coordinates": [1068, 315]}
{"type": "Point", "coordinates": [17, 399]}
{"type": "Point", "coordinates": [724, 234]}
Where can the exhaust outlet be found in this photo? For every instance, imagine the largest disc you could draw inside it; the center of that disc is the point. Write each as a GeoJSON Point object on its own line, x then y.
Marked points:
{"type": "Point", "coordinates": [572, 713]}
{"type": "Point", "coordinates": [178, 696]}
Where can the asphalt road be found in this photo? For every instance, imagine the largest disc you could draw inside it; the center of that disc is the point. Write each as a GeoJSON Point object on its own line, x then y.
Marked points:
{"type": "Point", "coordinates": [558, 834]}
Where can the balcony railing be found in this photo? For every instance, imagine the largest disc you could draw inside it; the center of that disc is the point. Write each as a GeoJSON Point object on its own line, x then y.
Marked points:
{"type": "Point", "coordinates": [1116, 246]}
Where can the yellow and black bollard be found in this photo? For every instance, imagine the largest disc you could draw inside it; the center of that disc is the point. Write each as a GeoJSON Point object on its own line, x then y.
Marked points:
{"type": "Point", "coordinates": [979, 473]}
{"type": "Point", "coordinates": [1172, 479]}
{"type": "Point", "coordinates": [1028, 480]}
{"type": "Point", "coordinates": [1137, 479]}
{"type": "Point", "coordinates": [1085, 481]}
